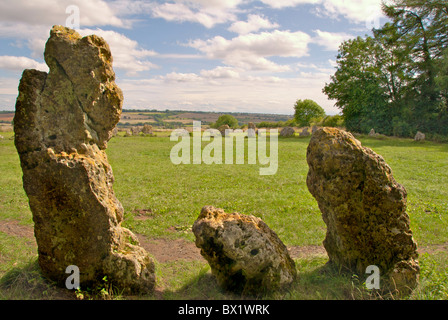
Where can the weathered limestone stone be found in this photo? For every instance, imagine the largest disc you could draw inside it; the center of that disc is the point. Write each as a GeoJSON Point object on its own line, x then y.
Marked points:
{"type": "Point", "coordinates": [287, 132]}
{"type": "Point", "coordinates": [314, 129]}
{"type": "Point", "coordinates": [62, 123]}
{"type": "Point", "coordinates": [135, 131]}
{"type": "Point", "coordinates": [222, 129]}
{"type": "Point", "coordinates": [364, 209]}
{"type": "Point", "coordinates": [147, 129]}
{"type": "Point", "coordinates": [420, 136]}
{"type": "Point", "coordinates": [251, 130]}
{"type": "Point", "coordinates": [304, 133]}
{"type": "Point", "coordinates": [244, 254]}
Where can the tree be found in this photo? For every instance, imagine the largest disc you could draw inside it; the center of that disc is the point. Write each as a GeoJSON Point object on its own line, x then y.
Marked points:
{"type": "Point", "coordinates": [422, 31]}
{"type": "Point", "coordinates": [395, 81]}
{"type": "Point", "coordinates": [442, 83]}
{"type": "Point", "coordinates": [333, 121]}
{"type": "Point", "coordinates": [228, 119]}
{"type": "Point", "coordinates": [360, 86]}
{"type": "Point", "coordinates": [306, 110]}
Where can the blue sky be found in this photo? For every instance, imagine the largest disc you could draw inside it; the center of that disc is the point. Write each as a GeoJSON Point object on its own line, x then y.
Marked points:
{"type": "Point", "coordinates": [209, 55]}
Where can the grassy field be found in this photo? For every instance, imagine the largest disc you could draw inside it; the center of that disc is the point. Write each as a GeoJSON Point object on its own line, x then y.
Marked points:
{"type": "Point", "coordinates": [171, 197]}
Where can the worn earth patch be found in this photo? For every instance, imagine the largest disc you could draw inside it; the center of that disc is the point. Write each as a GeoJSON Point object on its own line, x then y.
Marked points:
{"type": "Point", "coordinates": [14, 228]}
{"type": "Point", "coordinates": [165, 250]}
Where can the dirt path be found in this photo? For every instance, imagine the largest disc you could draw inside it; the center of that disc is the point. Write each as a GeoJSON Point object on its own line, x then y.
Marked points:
{"type": "Point", "coordinates": [165, 250]}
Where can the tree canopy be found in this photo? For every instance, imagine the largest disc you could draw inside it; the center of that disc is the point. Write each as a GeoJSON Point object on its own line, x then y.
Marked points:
{"type": "Point", "coordinates": [228, 119]}
{"type": "Point", "coordinates": [396, 81]}
{"type": "Point", "coordinates": [306, 110]}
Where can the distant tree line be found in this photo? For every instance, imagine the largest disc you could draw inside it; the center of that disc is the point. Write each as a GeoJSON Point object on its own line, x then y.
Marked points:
{"type": "Point", "coordinates": [396, 81]}
{"type": "Point", "coordinates": [159, 124]}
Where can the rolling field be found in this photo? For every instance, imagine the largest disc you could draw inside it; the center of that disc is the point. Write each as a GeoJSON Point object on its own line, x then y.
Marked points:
{"type": "Point", "coordinates": [162, 201]}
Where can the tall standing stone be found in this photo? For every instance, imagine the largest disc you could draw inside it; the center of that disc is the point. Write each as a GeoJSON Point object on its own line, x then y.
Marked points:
{"type": "Point", "coordinates": [222, 129]}
{"type": "Point", "coordinates": [364, 209]}
{"type": "Point", "coordinates": [62, 123]}
{"type": "Point", "coordinates": [251, 130]}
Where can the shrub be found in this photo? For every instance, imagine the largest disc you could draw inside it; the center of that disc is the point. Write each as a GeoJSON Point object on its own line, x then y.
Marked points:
{"type": "Point", "coordinates": [333, 121]}
{"type": "Point", "coordinates": [305, 111]}
{"type": "Point", "coordinates": [225, 119]}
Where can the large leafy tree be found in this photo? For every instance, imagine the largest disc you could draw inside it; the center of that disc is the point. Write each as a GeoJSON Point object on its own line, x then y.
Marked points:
{"type": "Point", "coordinates": [421, 28]}
{"type": "Point", "coordinates": [359, 87]}
{"type": "Point", "coordinates": [306, 110]}
{"type": "Point", "coordinates": [228, 119]}
{"type": "Point", "coordinates": [396, 80]}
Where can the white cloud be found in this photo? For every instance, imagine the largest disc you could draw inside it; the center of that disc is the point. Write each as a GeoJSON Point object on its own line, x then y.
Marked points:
{"type": "Point", "coordinates": [366, 11]}
{"type": "Point", "coordinates": [20, 63]}
{"type": "Point", "coordinates": [221, 4]}
{"type": "Point", "coordinates": [126, 53]}
{"type": "Point", "coordinates": [221, 73]}
{"type": "Point", "coordinates": [330, 40]}
{"type": "Point", "coordinates": [317, 70]}
{"type": "Point", "coordinates": [253, 24]}
{"type": "Point", "coordinates": [249, 51]}
{"type": "Point", "coordinates": [29, 22]}
{"type": "Point", "coordinates": [180, 77]}
{"type": "Point", "coordinates": [207, 13]}
{"type": "Point", "coordinates": [245, 93]}
{"type": "Point", "coordinates": [279, 4]}
{"type": "Point", "coordinates": [357, 11]}
{"type": "Point", "coordinates": [51, 12]}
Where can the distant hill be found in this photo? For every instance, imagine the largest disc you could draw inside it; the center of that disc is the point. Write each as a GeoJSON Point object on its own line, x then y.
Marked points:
{"type": "Point", "coordinates": [174, 118]}
{"type": "Point", "coordinates": [180, 118]}
{"type": "Point", "coordinates": [6, 120]}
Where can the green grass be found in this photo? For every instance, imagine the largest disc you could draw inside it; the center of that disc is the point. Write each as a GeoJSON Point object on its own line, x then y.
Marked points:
{"type": "Point", "coordinates": [145, 178]}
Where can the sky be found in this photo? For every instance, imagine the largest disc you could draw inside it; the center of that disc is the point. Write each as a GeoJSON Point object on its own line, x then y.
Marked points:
{"type": "Point", "coordinates": [202, 55]}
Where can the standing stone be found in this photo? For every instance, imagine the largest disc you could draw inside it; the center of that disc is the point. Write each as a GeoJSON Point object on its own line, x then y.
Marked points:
{"type": "Point", "coordinates": [251, 130]}
{"type": "Point", "coordinates": [314, 129]}
{"type": "Point", "coordinates": [147, 129]}
{"type": "Point", "coordinates": [420, 136]}
{"type": "Point", "coordinates": [135, 131]}
{"type": "Point", "coordinates": [128, 132]}
{"type": "Point", "coordinates": [304, 133]}
{"type": "Point", "coordinates": [244, 254]}
{"type": "Point", "coordinates": [222, 129]}
{"type": "Point", "coordinates": [372, 133]}
{"type": "Point", "coordinates": [287, 132]}
{"type": "Point", "coordinates": [364, 209]}
{"type": "Point", "coordinates": [62, 123]}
